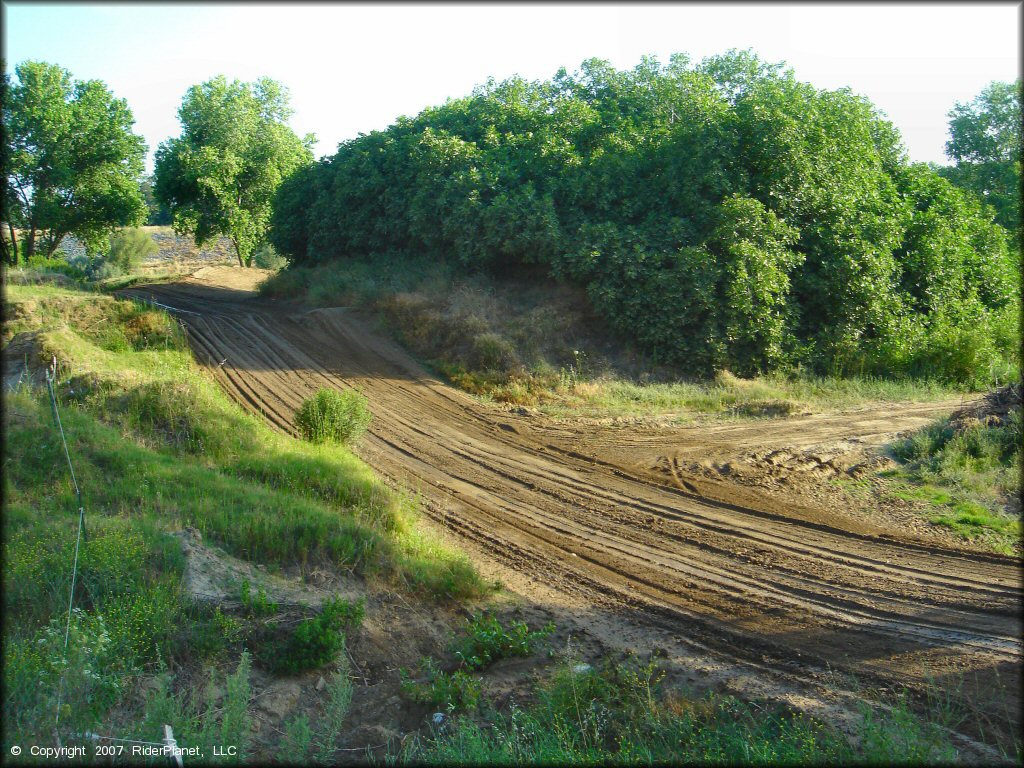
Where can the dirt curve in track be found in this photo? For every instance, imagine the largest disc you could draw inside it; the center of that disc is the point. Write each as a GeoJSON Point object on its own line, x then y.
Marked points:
{"type": "Point", "coordinates": [791, 591]}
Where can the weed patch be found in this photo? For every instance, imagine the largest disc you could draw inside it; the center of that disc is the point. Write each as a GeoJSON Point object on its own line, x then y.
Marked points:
{"type": "Point", "coordinates": [339, 417]}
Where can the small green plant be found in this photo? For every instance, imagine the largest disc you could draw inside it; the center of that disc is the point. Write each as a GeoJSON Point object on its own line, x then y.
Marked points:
{"type": "Point", "coordinates": [339, 417]}
{"type": "Point", "coordinates": [306, 742]}
{"type": "Point", "coordinates": [452, 691]}
{"type": "Point", "coordinates": [297, 744]}
{"type": "Point", "coordinates": [488, 641]}
{"type": "Point", "coordinates": [338, 703]}
{"type": "Point", "coordinates": [318, 640]}
{"type": "Point", "coordinates": [257, 604]}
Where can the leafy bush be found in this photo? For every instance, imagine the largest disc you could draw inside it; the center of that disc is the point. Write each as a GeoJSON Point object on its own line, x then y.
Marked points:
{"type": "Point", "coordinates": [488, 641]}
{"type": "Point", "coordinates": [267, 257]}
{"type": "Point", "coordinates": [722, 215]}
{"type": "Point", "coordinates": [129, 248]}
{"type": "Point", "coordinates": [339, 417]}
{"type": "Point", "coordinates": [318, 640]}
{"type": "Point", "coordinates": [452, 691]}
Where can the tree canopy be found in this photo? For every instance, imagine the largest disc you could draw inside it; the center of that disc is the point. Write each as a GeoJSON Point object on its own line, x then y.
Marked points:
{"type": "Point", "coordinates": [723, 215]}
{"type": "Point", "coordinates": [985, 143]}
{"type": "Point", "coordinates": [72, 162]}
{"type": "Point", "coordinates": [235, 149]}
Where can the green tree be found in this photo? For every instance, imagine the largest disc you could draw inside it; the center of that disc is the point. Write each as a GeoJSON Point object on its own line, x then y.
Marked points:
{"type": "Point", "coordinates": [220, 176]}
{"type": "Point", "coordinates": [72, 162]}
{"type": "Point", "coordinates": [157, 214]}
{"type": "Point", "coordinates": [985, 142]}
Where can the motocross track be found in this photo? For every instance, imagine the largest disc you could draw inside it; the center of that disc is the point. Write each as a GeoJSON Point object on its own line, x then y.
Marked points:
{"type": "Point", "coordinates": [605, 524]}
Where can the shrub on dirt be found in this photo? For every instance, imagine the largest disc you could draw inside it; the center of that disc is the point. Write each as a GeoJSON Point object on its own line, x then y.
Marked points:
{"type": "Point", "coordinates": [316, 641]}
{"type": "Point", "coordinates": [129, 248]}
{"type": "Point", "coordinates": [332, 416]}
{"type": "Point", "coordinates": [451, 691]}
{"type": "Point", "coordinates": [284, 284]}
{"type": "Point", "coordinates": [491, 351]}
{"type": "Point", "coordinates": [488, 640]}
{"type": "Point", "coordinates": [267, 257]}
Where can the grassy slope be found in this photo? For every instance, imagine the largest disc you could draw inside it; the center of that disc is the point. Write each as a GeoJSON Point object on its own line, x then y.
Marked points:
{"type": "Point", "coordinates": [966, 477]}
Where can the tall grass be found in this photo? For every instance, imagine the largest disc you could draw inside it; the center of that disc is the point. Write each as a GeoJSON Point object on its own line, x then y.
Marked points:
{"type": "Point", "coordinates": [620, 713]}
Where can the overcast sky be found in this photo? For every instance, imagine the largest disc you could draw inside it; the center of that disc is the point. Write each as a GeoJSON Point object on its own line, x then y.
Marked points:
{"type": "Point", "coordinates": [355, 68]}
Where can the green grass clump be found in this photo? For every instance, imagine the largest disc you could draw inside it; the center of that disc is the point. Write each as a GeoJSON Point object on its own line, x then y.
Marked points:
{"type": "Point", "coordinates": [450, 691]}
{"type": "Point", "coordinates": [316, 641]}
{"type": "Point", "coordinates": [485, 641]}
{"type": "Point", "coordinates": [488, 641]}
{"type": "Point", "coordinates": [331, 416]}
{"type": "Point", "coordinates": [966, 475]}
{"type": "Point", "coordinates": [216, 716]}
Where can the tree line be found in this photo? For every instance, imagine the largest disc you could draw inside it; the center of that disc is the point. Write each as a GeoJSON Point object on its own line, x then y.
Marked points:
{"type": "Point", "coordinates": [722, 214]}
{"type": "Point", "coordinates": [74, 166]}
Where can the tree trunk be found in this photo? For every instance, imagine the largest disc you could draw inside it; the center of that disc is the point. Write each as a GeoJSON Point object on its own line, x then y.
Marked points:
{"type": "Point", "coordinates": [30, 244]}
{"type": "Point", "coordinates": [238, 253]}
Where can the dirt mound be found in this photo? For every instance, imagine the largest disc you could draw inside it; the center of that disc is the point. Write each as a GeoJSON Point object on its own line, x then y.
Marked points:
{"type": "Point", "coordinates": [993, 410]}
{"type": "Point", "coordinates": [214, 576]}
{"type": "Point", "coordinates": [25, 360]}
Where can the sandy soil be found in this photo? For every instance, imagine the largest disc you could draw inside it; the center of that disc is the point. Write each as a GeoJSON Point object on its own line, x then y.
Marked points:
{"type": "Point", "coordinates": [665, 540]}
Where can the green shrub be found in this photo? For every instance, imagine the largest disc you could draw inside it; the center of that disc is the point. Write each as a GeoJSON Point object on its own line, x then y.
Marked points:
{"type": "Point", "coordinates": [488, 641]}
{"type": "Point", "coordinates": [452, 691]}
{"type": "Point", "coordinates": [267, 257]}
{"type": "Point", "coordinates": [318, 640]}
{"type": "Point", "coordinates": [128, 248]}
{"type": "Point", "coordinates": [257, 604]}
{"type": "Point", "coordinates": [339, 417]}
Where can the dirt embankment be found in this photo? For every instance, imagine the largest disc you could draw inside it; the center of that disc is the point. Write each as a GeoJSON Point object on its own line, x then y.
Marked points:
{"type": "Point", "coordinates": [646, 539]}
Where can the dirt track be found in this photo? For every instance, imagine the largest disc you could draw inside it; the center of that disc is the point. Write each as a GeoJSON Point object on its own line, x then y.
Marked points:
{"type": "Point", "coordinates": [609, 519]}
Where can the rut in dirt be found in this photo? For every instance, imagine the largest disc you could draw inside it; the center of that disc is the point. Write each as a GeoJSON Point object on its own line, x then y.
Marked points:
{"type": "Point", "coordinates": [793, 594]}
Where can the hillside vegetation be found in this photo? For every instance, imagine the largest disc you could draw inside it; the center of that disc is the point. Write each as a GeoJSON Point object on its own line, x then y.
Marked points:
{"type": "Point", "coordinates": [157, 448]}
{"type": "Point", "coordinates": [722, 215]}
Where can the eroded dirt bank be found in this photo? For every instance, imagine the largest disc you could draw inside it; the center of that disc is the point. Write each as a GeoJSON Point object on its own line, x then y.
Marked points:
{"type": "Point", "coordinates": [643, 539]}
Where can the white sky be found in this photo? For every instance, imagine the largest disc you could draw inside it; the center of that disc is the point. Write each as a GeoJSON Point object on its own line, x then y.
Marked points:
{"type": "Point", "coordinates": [355, 68]}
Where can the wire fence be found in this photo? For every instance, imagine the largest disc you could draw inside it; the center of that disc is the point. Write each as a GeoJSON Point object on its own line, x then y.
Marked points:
{"type": "Point", "coordinates": [51, 376]}
{"type": "Point", "coordinates": [168, 744]}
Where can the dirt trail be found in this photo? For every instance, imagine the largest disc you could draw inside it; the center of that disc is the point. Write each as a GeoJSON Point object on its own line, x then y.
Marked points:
{"type": "Point", "coordinates": [606, 520]}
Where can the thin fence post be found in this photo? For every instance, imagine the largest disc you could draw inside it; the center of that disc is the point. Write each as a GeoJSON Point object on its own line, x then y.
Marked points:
{"type": "Point", "coordinates": [172, 753]}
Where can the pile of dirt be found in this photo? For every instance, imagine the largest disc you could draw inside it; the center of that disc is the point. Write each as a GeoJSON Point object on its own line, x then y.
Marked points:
{"type": "Point", "coordinates": [993, 410]}
{"type": "Point", "coordinates": [25, 360]}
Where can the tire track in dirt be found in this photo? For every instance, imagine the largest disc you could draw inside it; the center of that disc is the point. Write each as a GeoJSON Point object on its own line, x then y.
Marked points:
{"type": "Point", "coordinates": [751, 583]}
